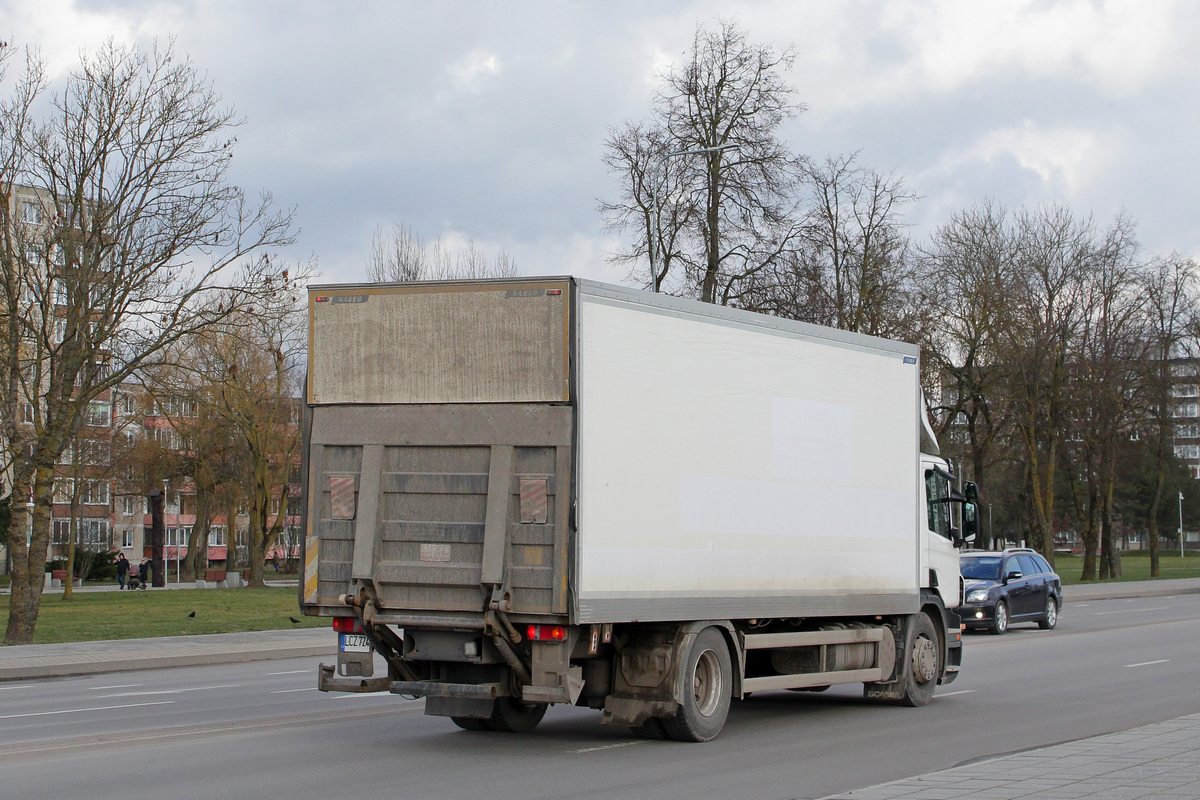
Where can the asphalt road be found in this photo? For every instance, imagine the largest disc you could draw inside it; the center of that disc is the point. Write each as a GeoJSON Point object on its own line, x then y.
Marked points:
{"type": "Point", "coordinates": [260, 730]}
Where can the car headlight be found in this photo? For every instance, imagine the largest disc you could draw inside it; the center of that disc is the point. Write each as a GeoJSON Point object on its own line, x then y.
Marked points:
{"type": "Point", "coordinates": [977, 595]}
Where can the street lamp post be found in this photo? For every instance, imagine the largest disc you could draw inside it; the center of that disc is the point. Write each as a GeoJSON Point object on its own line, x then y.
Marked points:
{"type": "Point", "coordinates": [654, 176]}
{"type": "Point", "coordinates": [1181, 524]}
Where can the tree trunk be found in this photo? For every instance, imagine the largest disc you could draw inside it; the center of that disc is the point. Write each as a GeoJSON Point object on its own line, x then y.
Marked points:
{"type": "Point", "coordinates": [1110, 556]}
{"type": "Point", "coordinates": [231, 554]}
{"type": "Point", "coordinates": [29, 563]}
{"type": "Point", "coordinates": [197, 547]}
{"type": "Point", "coordinates": [1152, 523]}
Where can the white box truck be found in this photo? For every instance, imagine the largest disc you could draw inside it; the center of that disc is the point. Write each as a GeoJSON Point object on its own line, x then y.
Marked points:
{"type": "Point", "coordinates": [551, 490]}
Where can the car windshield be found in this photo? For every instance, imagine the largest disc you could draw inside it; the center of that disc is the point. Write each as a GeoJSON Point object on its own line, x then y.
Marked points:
{"type": "Point", "coordinates": [981, 568]}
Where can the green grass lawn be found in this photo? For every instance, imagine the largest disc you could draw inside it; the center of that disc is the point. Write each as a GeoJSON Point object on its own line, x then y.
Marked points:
{"type": "Point", "coordinates": [134, 615]}
{"type": "Point", "coordinates": [1135, 566]}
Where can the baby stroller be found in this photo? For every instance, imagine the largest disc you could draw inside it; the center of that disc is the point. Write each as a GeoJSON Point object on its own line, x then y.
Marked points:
{"type": "Point", "coordinates": [134, 577]}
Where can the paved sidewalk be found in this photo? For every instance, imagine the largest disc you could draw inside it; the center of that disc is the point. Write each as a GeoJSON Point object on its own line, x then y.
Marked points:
{"type": "Point", "coordinates": [119, 655]}
{"type": "Point", "coordinates": [1125, 589]}
{"type": "Point", "coordinates": [1155, 762]}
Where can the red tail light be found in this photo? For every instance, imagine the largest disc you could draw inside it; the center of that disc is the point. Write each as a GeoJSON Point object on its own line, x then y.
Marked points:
{"type": "Point", "coordinates": [546, 633]}
{"type": "Point", "coordinates": [346, 624]}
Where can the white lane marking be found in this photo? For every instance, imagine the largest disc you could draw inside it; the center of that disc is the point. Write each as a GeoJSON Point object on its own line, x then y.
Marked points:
{"type": "Point", "coordinates": [1148, 663]}
{"type": "Point", "coordinates": [607, 747]}
{"type": "Point", "coordinates": [352, 695]}
{"type": "Point", "coordinates": [951, 694]}
{"type": "Point", "coordinates": [305, 689]}
{"type": "Point", "coordinates": [80, 710]}
{"type": "Point", "coordinates": [168, 691]}
{"type": "Point", "coordinates": [291, 672]}
{"type": "Point", "coordinates": [10, 688]}
{"type": "Point", "coordinates": [1133, 611]}
{"type": "Point", "coordinates": [118, 686]}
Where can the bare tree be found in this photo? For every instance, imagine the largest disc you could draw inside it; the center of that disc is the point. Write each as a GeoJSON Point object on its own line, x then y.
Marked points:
{"type": "Point", "coordinates": [1170, 289]}
{"type": "Point", "coordinates": [729, 214]}
{"type": "Point", "coordinates": [965, 271]}
{"type": "Point", "coordinates": [853, 232]}
{"type": "Point", "coordinates": [245, 375]}
{"type": "Point", "coordinates": [120, 227]}
{"type": "Point", "coordinates": [1055, 254]}
{"type": "Point", "coordinates": [402, 255]}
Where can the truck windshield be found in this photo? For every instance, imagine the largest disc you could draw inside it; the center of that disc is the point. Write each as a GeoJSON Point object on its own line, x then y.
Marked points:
{"type": "Point", "coordinates": [986, 568]}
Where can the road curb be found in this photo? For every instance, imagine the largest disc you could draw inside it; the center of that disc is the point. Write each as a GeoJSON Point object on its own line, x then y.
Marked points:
{"type": "Point", "coordinates": [15, 672]}
{"type": "Point", "coordinates": [1131, 589]}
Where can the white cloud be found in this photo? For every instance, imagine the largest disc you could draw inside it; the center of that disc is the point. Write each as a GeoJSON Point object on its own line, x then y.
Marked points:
{"type": "Point", "coordinates": [61, 29]}
{"type": "Point", "coordinates": [471, 72]}
{"type": "Point", "coordinates": [1064, 159]}
{"type": "Point", "coordinates": [904, 50]}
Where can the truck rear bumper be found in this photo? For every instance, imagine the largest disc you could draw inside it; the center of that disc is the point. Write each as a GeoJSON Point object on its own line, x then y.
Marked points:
{"type": "Point", "coordinates": [328, 681]}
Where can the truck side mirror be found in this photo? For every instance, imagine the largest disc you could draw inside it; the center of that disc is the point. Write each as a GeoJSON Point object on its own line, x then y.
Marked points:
{"type": "Point", "coordinates": [971, 492]}
{"type": "Point", "coordinates": [970, 521]}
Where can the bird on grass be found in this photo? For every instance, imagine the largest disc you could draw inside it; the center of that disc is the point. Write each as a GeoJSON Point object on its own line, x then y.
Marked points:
{"type": "Point", "coordinates": [192, 614]}
{"type": "Point", "coordinates": [293, 619]}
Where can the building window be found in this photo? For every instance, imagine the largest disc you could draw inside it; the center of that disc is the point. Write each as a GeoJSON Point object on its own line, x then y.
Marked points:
{"type": "Point", "coordinates": [1187, 390]}
{"type": "Point", "coordinates": [1187, 451]}
{"type": "Point", "coordinates": [1186, 409]}
{"type": "Point", "coordinates": [126, 539]}
{"type": "Point", "coordinates": [1188, 431]}
{"type": "Point", "coordinates": [216, 536]}
{"type": "Point", "coordinates": [31, 213]}
{"type": "Point", "coordinates": [93, 493]}
{"type": "Point", "coordinates": [99, 413]}
{"type": "Point", "coordinates": [131, 505]}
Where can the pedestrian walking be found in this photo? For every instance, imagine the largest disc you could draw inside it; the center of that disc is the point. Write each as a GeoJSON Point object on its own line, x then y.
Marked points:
{"type": "Point", "coordinates": [147, 571]}
{"type": "Point", "coordinates": [122, 570]}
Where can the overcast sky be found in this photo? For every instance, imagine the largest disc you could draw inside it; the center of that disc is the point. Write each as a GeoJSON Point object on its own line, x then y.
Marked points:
{"type": "Point", "coordinates": [485, 120]}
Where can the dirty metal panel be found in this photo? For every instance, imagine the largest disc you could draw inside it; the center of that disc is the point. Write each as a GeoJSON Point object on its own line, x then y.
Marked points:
{"type": "Point", "coordinates": [408, 344]}
{"type": "Point", "coordinates": [335, 466]}
{"type": "Point", "coordinates": [434, 505]}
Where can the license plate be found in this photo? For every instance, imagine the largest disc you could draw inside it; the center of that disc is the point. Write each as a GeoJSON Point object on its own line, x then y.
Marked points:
{"type": "Point", "coordinates": [355, 643]}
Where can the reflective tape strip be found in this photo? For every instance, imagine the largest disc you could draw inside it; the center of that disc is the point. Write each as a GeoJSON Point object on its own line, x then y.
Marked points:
{"type": "Point", "coordinates": [533, 501]}
{"type": "Point", "coordinates": [341, 496]}
{"type": "Point", "coordinates": [311, 548]}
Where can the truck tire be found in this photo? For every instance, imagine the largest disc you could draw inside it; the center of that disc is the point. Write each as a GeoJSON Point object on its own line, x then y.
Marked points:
{"type": "Point", "coordinates": [513, 716]}
{"type": "Point", "coordinates": [924, 665]}
{"type": "Point", "coordinates": [1050, 618]}
{"type": "Point", "coordinates": [999, 619]}
{"type": "Point", "coordinates": [470, 723]}
{"type": "Point", "coordinates": [650, 729]}
{"type": "Point", "coordinates": [707, 689]}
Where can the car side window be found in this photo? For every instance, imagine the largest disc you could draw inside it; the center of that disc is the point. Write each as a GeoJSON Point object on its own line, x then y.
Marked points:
{"type": "Point", "coordinates": [1029, 566]}
{"type": "Point", "coordinates": [1010, 565]}
{"type": "Point", "coordinates": [1041, 562]}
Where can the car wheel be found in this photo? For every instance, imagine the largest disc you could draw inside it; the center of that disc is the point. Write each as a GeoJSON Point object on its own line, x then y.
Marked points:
{"type": "Point", "coordinates": [1000, 619]}
{"type": "Point", "coordinates": [1050, 618]}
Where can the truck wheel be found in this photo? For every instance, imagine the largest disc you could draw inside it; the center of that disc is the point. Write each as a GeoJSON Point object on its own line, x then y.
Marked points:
{"type": "Point", "coordinates": [924, 663]}
{"type": "Point", "coordinates": [513, 716]}
{"type": "Point", "coordinates": [707, 688]}
{"type": "Point", "coordinates": [1050, 618]}
{"type": "Point", "coordinates": [650, 729]}
{"type": "Point", "coordinates": [1000, 619]}
{"type": "Point", "coordinates": [470, 723]}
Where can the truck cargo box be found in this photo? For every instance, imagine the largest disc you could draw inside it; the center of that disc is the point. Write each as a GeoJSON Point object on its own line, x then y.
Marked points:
{"type": "Point", "coordinates": [602, 455]}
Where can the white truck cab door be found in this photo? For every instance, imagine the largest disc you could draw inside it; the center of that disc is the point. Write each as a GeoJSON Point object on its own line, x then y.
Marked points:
{"type": "Point", "coordinates": [939, 556]}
